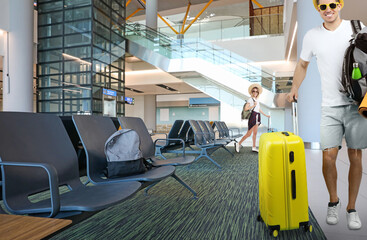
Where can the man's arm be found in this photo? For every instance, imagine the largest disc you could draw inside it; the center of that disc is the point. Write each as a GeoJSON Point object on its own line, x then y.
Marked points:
{"type": "Point", "coordinates": [298, 77]}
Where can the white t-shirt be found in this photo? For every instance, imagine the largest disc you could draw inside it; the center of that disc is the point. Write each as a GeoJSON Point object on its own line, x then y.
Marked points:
{"type": "Point", "coordinates": [329, 47]}
{"type": "Point", "coordinates": [252, 102]}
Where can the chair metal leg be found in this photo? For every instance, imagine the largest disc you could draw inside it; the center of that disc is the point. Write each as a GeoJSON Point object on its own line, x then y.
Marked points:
{"type": "Point", "coordinates": [204, 153]}
{"type": "Point", "coordinates": [227, 150]}
{"type": "Point", "coordinates": [185, 185]}
{"type": "Point", "coordinates": [159, 153]}
{"type": "Point", "coordinates": [149, 187]}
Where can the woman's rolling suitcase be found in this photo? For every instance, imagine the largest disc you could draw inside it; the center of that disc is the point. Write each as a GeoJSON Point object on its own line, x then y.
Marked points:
{"type": "Point", "coordinates": [283, 182]}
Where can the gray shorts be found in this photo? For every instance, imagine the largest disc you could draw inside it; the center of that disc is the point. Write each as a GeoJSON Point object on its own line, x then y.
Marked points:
{"type": "Point", "coordinates": [339, 121]}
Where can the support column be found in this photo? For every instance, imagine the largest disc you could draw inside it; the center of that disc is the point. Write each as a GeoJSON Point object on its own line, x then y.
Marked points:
{"type": "Point", "coordinates": [18, 86]}
{"type": "Point", "coordinates": [151, 13]}
{"type": "Point", "coordinates": [150, 110]}
{"type": "Point", "coordinates": [309, 94]}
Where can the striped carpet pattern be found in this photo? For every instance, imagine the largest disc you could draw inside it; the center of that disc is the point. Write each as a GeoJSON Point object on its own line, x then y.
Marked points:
{"type": "Point", "coordinates": [227, 207]}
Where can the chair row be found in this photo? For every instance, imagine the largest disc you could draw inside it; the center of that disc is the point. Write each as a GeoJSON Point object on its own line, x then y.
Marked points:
{"type": "Point", "coordinates": [36, 155]}
{"type": "Point", "coordinates": [192, 133]}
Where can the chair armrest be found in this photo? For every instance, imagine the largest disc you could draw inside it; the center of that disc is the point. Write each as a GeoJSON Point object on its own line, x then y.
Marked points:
{"type": "Point", "coordinates": [52, 178]}
{"type": "Point", "coordinates": [172, 139]}
{"type": "Point", "coordinates": [204, 138]}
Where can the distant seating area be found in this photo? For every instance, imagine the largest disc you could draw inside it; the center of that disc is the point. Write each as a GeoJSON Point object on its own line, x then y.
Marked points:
{"type": "Point", "coordinates": [42, 153]}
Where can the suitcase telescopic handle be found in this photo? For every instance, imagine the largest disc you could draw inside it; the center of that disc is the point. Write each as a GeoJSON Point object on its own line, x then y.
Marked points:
{"type": "Point", "coordinates": [293, 180]}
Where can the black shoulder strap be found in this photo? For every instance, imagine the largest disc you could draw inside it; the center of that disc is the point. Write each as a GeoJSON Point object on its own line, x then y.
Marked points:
{"type": "Point", "coordinates": [356, 26]}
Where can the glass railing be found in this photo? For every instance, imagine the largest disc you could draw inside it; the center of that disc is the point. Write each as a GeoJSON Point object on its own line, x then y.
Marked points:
{"type": "Point", "coordinates": [174, 48]}
{"type": "Point", "coordinates": [232, 28]}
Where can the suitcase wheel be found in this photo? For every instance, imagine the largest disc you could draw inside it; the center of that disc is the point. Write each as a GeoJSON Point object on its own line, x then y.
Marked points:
{"type": "Point", "coordinates": [274, 233]}
{"type": "Point", "coordinates": [308, 228]}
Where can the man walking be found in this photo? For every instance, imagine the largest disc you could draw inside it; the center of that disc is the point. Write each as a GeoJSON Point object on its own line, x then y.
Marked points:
{"type": "Point", "coordinates": [339, 116]}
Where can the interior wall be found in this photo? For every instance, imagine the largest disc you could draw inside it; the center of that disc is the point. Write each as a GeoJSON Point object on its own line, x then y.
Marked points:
{"type": "Point", "coordinates": [257, 49]}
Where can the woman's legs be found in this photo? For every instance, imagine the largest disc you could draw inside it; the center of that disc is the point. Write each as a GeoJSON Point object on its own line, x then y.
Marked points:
{"type": "Point", "coordinates": [249, 132]}
{"type": "Point", "coordinates": [255, 128]}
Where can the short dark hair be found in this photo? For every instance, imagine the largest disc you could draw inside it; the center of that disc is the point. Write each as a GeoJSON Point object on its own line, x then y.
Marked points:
{"type": "Point", "coordinates": [318, 1]}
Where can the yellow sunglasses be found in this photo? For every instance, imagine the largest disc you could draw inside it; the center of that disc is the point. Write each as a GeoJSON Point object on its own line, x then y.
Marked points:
{"type": "Point", "coordinates": [332, 6]}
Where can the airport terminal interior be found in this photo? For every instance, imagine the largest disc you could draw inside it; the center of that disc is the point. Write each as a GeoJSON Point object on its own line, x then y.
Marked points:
{"type": "Point", "coordinates": [177, 72]}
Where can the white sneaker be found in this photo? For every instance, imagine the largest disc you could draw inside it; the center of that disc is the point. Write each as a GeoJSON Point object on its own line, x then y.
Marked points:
{"type": "Point", "coordinates": [238, 147]}
{"type": "Point", "coordinates": [353, 221]}
{"type": "Point", "coordinates": [332, 217]}
{"type": "Point", "coordinates": [254, 149]}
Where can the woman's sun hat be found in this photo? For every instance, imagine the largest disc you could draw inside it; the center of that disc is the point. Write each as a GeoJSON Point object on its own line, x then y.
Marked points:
{"type": "Point", "coordinates": [341, 2]}
{"type": "Point", "coordinates": [253, 86]}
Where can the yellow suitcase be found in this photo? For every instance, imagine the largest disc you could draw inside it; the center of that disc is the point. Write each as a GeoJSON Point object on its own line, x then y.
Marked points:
{"type": "Point", "coordinates": [283, 182]}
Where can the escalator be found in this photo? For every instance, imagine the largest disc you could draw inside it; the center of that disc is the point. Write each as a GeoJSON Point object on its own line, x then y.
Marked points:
{"type": "Point", "coordinates": [213, 70]}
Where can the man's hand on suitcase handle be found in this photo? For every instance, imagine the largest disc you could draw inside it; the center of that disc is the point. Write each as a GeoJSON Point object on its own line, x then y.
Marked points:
{"type": "Point", "coordinates": [293, 95]}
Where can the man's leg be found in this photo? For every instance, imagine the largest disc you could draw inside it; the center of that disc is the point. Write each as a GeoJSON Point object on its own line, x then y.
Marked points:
{"type": "Point", "coordinates": [355, 176]}
{"type": "Point", "coordinates": [331, 175]}
{"type": "Point", "coordinates": [330, 172]}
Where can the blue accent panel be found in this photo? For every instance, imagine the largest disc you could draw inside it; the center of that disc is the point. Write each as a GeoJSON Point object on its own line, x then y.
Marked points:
{"type": "Point", "coordinates": [204, 102]}
{"type": "Point", "coordinates": [184, 113]}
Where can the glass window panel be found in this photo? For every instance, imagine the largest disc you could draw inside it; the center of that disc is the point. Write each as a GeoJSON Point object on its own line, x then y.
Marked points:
{"type": "Point", "coordinates": [101, 68]}
{"type": "Point", "coordinates": [50, 94]}
{"type": "Point", "coordinates": [99, 4]}
{"type": "Point", "coordinates": [50, 56]}
{"type": "Point", "coordinates": [116, 85]}
{"type": "Point", "coordinates": [78, 26]}
{"type": "Point", "coordinates": [101, 55]}
{"type": "Point", "coordinates": [117, 29]}
{"type": "Point", "coordinates": [100, 80]}
{"type": "Point", "coordinates": [49, 18]}
{"type": "Point", "coordinates": [117, 62]}
{"type": "Point", "coordinates": [97, 105]}
{"type": "Point", "coordinates": [101, 17]}
{"type": "Point", "coordinates": [50, 68]}
{"type": "Point", "coordinates": [77, 14]}
{"type": "Point", "coordinates": [117, 51]}
{"type": "Point", "coordinates": [77, 66]}
{"type": "Point", "coordinates": [50, 106]}
{"type": "Point", "coordinates": [97, 92]}
{"type": "Point", "coordinates": [118, 39]}
{"type": "Point", "coordinates": [77, 40]}
{"type": "Point", "coordinates": [108, 2]}
{"type": "Point", "coordinates": [79, 52]}
{"type": "Point", "coordinates": [77, 92]}
{"type": "Point", "coordinates": [50, 43]}
{"type": "Point", "coordinates": [117, 18]}
{"type": "Point", "coordinates": [77, 3]}
{"type": "Point", "coordinates": [48, 7]}
{"type": "Point", "coordinates": [50, 81]}
{"type": "Point", "coordinates": [49, 31]}
{"type": "Point", "coordinates": [82, 106]}
{"type": "Point", "coordinates": [101, 42]}
{"type": "Point", "coordinates": [78, 78]}
{"type": "Point", "coordinates": [101, 30]}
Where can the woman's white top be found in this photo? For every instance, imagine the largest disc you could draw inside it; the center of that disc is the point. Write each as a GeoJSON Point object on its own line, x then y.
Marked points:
{"type": "Point", "coordinates": [252, 101]}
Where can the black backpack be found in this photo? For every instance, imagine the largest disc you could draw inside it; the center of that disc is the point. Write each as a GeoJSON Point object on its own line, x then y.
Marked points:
{"type": "Point", "coordinates": [356, 52]}
{"type": "Point", "coordinates": [123, 154]}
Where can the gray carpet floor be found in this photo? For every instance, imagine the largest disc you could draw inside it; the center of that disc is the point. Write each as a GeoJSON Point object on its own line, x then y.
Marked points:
{"type": "Point", "coordinates": [227, 207]}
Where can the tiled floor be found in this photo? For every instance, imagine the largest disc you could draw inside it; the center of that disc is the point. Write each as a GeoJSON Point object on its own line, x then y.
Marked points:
{"type": "Point", "coordinates": [318, 196]}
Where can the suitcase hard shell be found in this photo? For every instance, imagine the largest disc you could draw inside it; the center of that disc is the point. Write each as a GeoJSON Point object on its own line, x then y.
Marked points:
{"type": "Point", "coordinates": [283, 182]}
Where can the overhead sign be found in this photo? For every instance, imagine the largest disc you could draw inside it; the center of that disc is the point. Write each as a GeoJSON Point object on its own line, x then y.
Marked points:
{"type": "Point", "coordinates": [129, 100]}
{"type": "Point", "coordinates": [203, 102]}
{"type": "Point", "coordinates": [109, 92]}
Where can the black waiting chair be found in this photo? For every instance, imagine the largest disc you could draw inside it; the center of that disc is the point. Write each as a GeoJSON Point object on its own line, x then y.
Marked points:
{"type": "Point", "coordinates": [169, 145]}
{"type": "Point", "coordinates": [74, 138]}
{"type": "Point", "coordinates": [148, 147]}
{"type": "Point", "coordinates": [204, 142]}
{"type": "Point", "coordinates": [94, 132]}
{"type": "Point", "coordinates": [36, 156]}
{"type": "Point", "coordinates": [211, 134]}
